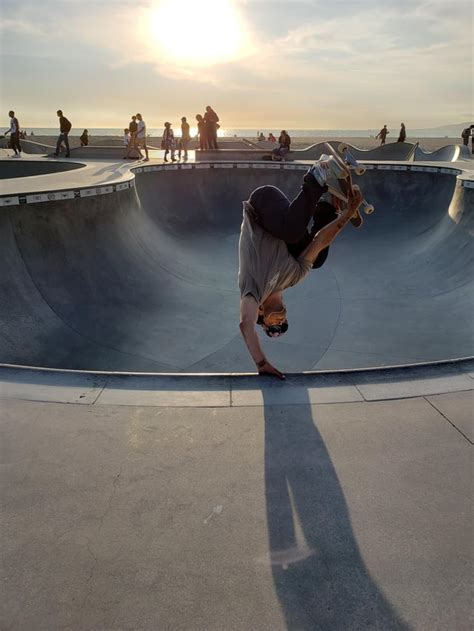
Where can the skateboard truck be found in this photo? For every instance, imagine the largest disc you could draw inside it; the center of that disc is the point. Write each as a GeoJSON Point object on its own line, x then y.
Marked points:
{"type": "Point", "coordinates": [366, 207]}
{"type": "Point", "coordinates": [350, 160]}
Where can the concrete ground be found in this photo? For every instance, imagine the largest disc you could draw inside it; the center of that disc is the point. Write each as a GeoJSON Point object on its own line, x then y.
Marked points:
{"type": "Point", "coordinates": [326, 502]}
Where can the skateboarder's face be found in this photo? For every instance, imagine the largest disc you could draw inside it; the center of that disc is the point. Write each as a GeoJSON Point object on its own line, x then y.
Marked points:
{"type": "Point", "coordinates": [275, 318]}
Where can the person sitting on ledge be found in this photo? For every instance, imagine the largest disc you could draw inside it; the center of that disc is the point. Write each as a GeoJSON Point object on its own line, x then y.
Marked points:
{"type": "Point", "coordinates": [84, 138]}
{"type": "Point", "coordinates": [276, 251]}
{"type": "Point", "coordinates": [284, 146]}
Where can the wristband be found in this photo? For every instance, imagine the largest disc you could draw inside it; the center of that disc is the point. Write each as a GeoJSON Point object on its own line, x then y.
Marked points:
{"type": "Point", "coordinates": [261, 363]}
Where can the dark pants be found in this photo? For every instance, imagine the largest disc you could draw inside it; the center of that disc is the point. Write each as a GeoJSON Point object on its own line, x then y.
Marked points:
{"type": "Point", "coordinates": [212, 135]}
{"type": "Point", "coordinates": [289, 220]}
{"type": "Point", "coordinates": [281, 152]}
{"type": "Point", "coordinates": [63, 137]}
{"type": "Point", "coordinates": [15, 142]}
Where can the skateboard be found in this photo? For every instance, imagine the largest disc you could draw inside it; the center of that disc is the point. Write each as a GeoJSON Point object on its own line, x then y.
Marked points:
{"type": "Point", "coordinates": [349, 164]}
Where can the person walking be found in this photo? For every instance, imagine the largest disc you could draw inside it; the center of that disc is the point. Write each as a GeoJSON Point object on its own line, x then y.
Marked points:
{"type": "Point", "coordinates": [168, 142]}
{"type": "Point", "coordinates": [277, 252]}
{"type": "Point", "coordinates": [14, 132]}
{"type": "Point", "coordinates": [211, 119]}
{"type": "Point", "coordinates": [65, 127]}
{"type": "Point", "coordinates": [202, 132]}
{"type": "Point", "coordinates": [382, 134]}
{"type": "Point", "coordinates": [185, 138]}
{"type": "Point", "coordinates": [141, 135]}
{"type": "Point", "coordinates": [402, 136]}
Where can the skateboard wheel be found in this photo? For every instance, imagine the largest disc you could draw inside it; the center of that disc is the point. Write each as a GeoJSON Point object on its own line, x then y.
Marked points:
{"type": "Point", "coordinates": [342, 147]}
{"type": "Point", "coordinates": [360, 170]}
{"type": "Point", "coordinates": [369, 209]}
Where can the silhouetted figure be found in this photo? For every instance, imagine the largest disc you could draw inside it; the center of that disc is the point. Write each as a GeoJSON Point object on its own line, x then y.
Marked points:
{"type": "Point", "coordinates": [14, 132]}
{"type": "Point", "coordinates": [185, 138]}
{"type": "Point", "coordinates": [402, 136]}
{"type": "Point", "coordinates": [211, 119]}
{"type": "Point", "coordinates": [382, 134]}
{"type": "Point", "coordinates": [132, 143]}
{"type": "Point", "coordinates": [141, 135]}
{"type": "Point", "coordinates": [84, 138]}
{"type": "Point", "coordinates": [63, 138]}
{"type": "Point", "coordinates": [261, 136]}
{"type": "Point", "coordinates": [466, 134]}
{"type": "Point", "coordinates": [202, 132]}
{"type": "Point", "coordinates": [168, 142]}
{"type": "Point", "coordinates": [284, 146]}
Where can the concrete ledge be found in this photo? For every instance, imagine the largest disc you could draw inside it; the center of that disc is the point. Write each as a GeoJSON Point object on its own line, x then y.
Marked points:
{"type": "Point", "coordinates": [235, 390]}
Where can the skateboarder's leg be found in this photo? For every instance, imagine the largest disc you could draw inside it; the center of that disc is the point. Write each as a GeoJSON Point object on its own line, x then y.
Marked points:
{"type": "Point", "coordinates": [284, 219]}
{"type": "Point", "coordinates": [323, 215]}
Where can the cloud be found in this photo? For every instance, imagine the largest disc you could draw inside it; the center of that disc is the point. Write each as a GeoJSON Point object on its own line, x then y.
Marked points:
{"type": "Point", "coordinates": [309, 57]}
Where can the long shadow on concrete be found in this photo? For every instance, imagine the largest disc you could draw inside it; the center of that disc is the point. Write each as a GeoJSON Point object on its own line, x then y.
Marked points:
{"type": "Point", "coordinates": [320, 577]}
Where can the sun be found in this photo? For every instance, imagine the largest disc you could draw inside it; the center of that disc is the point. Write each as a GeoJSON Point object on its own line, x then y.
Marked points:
{"type": "Point", "coordinates": [196, 33]}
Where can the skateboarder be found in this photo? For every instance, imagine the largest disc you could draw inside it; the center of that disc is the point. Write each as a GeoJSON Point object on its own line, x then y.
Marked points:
{"type": "Point", "coordinates": [276, 251]}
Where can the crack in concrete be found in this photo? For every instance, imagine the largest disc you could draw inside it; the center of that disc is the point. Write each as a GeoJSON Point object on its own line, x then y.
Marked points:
{"type": "Point", "coordinates": [449, 421]}
{"type": "Point", "coordinates": [95, 558]}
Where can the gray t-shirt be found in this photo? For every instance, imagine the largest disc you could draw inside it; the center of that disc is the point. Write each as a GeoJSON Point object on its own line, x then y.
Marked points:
{"type": "Point", "coordinates": [265, 265]}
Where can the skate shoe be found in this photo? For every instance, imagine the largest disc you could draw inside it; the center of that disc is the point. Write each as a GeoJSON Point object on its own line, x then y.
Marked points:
{"type": "Point", "coordinates": [327, 171]}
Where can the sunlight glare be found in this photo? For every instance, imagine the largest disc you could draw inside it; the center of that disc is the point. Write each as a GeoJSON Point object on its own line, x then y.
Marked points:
{"type": "Point", "coordinates": [193, 33]}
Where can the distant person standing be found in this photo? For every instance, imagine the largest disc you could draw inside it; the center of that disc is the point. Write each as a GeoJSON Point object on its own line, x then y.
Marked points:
{"type": "Point", "coordinates": [168, 142]}
{"type": "Point", "coordinates": [382, 134]}
{"type": "Point", "coordinates": [465, 135]}
{"type": "Point", "coordinates": [132, 143]}
{"type": "Point", "coordinates": [271, 137]}
{"type": "Point", "coordinates": [211, 120]}
{"type": "Point", "coordinates": [202, 132]}
{"type": "Point", "coordinates": [63, 138]}
{"type": "Point", "coordinates": [402, 136]}
{"type": "Point", "coordinates": [185, 138]}
{"type": "Point", "coordinates": [14, 132]}
{"type": "Point", "coordinates": [141, 135]}
{"type": "Point", "coordinates": [84, 138]}
{"type": "Point", "coordinates": [284, 142]}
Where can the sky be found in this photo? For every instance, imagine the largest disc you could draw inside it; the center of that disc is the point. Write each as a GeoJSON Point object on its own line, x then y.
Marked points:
{"type": "Point", "coordinates": [299, 64]}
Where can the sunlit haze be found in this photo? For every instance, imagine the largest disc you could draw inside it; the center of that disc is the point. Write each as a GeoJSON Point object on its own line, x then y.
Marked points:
{"type": "Point", "coordinates": [301, 64]}
{"type": "Point", "coordinates": [191, 45]}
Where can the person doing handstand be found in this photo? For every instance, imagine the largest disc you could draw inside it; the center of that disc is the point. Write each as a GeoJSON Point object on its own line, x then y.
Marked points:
{"type": "Point", "coordinates": [277, 251]}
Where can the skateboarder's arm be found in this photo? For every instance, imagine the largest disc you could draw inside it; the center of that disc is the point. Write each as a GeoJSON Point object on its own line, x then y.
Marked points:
{"type": "Point", "coordinates": [248, 320]}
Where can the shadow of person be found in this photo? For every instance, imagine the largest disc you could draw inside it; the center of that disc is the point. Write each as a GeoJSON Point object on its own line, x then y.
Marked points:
{"type": "Point", "coordinates": [320, 577]}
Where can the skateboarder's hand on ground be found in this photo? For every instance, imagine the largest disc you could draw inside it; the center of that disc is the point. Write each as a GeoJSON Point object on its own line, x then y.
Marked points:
{"type": "Point", "coordinates": [268, 369]}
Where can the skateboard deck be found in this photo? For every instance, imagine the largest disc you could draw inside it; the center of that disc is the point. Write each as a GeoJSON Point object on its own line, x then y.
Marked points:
{"type": "Point", "coordinates": [349, 164]}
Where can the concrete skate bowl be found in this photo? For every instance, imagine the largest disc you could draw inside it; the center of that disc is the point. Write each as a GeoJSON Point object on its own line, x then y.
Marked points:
{"type": "Point", "coordinates": [390, 151]}
{"type": "Point", "coordinates": [145, 279]}
{"type": "Point", "coordinates": [12, 168]}
{"type": "Point", "coordinates": [448, 153]}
